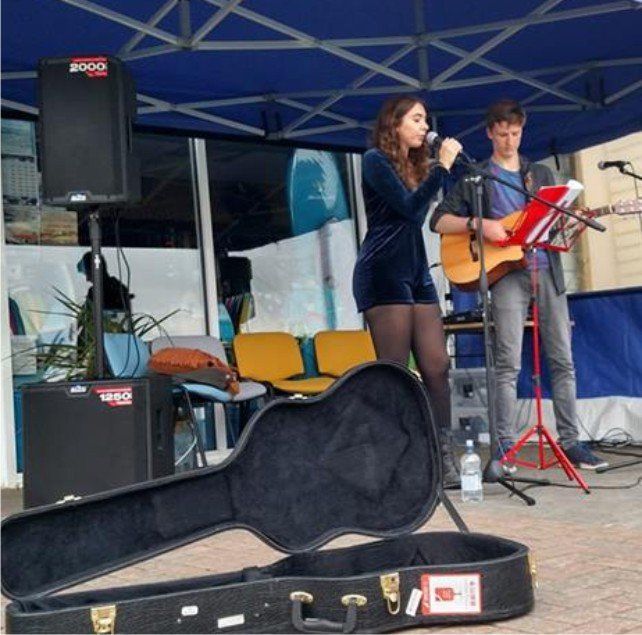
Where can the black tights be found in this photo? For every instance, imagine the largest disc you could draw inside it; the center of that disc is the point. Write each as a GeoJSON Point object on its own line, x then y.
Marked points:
{"type": "Point", "coordinates": [399, 328]}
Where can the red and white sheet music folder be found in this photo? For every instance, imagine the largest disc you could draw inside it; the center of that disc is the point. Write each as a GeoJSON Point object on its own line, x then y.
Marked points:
{"type": "Point", "coordinates": [536, 220]}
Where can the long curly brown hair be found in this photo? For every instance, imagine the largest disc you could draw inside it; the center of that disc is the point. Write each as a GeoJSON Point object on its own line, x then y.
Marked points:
{"type": "Point", "coordinates": [413, 168]}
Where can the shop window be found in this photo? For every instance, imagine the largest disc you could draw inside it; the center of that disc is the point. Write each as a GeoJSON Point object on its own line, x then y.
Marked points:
{"type": "Point", "coordinates": [284, 236]}
{"type": "Point", "coordinates": [152, 247]}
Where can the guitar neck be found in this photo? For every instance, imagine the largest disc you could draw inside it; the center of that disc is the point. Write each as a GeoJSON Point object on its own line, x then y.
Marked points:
{"type": "Point", "coordinates": [602, 211]}
{"type": "Point", "coordinates": [621, 208]}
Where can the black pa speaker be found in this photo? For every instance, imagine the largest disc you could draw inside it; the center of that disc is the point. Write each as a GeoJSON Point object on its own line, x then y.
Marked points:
{"type": "Point", "coordinates": [85, 437]}
{"type": "Point", "coordinates": [87, 105]}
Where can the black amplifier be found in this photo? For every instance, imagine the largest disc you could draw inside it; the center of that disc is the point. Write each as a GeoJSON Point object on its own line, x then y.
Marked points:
{"type": "Point", "coordinates": [90, 436]}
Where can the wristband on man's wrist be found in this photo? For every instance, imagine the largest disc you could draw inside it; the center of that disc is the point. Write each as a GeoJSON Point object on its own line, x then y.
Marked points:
{"type": "Point", "coordinates": [470, 224]}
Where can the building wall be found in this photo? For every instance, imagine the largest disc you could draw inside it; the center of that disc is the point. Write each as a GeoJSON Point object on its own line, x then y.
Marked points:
{"type": "Point", "coordinates": [612, 259]}
{"type": "Point", "coordinates": [563, 171]}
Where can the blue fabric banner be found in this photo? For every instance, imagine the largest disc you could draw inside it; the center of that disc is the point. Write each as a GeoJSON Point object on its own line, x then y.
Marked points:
{"type": "Point", "coordinates": [607, 345]}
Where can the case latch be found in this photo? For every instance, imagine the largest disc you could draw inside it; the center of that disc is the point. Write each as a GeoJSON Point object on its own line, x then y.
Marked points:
{"type": "Point", "coordinates": [103, 618]}
{"type": "Point", "coordinates": [391, 592]}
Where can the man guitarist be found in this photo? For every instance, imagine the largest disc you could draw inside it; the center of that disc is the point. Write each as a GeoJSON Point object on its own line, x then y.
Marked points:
{"type": "Point", "coordinates": [511, 294]}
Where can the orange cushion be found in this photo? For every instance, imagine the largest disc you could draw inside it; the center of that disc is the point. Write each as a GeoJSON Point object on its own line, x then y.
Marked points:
{"type": "Point", "coordinates": [178, 361]}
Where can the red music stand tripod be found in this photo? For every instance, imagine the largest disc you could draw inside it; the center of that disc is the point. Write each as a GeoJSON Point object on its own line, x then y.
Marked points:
{"type": "Point", "coordinates": [531, 228]}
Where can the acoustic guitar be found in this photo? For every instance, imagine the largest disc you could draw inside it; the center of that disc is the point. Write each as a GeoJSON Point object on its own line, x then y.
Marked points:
{"type": "Point", "coordinates": [460, 252]}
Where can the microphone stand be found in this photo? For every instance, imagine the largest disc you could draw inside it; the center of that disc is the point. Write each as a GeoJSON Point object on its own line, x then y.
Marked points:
{"type": "Point", "coordinates": [493, 472]}
{"type": "Point", "coordinates": [634, 176]}
{"type": "Point", "coordinates": [630, 173]}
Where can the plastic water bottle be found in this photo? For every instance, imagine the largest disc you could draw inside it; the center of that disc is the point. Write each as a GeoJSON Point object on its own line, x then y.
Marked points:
{"type": "Point", "coordinates": [471, 475]}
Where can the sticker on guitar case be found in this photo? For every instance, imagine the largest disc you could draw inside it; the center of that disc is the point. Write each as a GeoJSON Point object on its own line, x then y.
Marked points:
{"type": "Point", "coordinates": [231, 620]}
{"type": "Point", "coordinates": [451, 594]}
{"type": "Point", "coordinates": [413, 602]}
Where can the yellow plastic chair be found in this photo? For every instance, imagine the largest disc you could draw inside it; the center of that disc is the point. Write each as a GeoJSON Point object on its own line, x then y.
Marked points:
{"type": "Point", "coordinates": [339, 351]}
{"type": "Point", "coordinates": [275, 359]}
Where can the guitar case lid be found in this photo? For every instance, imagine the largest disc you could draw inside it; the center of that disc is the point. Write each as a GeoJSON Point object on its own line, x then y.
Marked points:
{"type": "Point", "coordinates": [360, 458]}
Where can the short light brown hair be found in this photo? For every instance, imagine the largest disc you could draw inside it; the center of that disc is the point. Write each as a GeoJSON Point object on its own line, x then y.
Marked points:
{"type": "Point", "coordinates": [505, 110]}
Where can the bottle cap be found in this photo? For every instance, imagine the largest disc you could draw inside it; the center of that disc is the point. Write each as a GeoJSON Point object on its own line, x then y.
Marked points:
{"type": "Point", "coordinates": [470, 443]}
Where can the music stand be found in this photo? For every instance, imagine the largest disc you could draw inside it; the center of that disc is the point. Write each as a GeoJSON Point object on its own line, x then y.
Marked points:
{"type": "Point", "coordinates": [533, 231]}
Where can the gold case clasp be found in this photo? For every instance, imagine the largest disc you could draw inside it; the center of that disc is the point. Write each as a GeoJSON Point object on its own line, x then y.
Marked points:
{"type": "Point", "coordinates": [391, 592]}
{"type": "Point", "coordinates": [103, 618]}
{"type": "Point", "coordinates": [532, 563]}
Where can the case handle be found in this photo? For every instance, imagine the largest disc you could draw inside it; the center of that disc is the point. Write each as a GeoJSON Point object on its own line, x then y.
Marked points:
{"type": "Point", "coordinates": [316, 625]}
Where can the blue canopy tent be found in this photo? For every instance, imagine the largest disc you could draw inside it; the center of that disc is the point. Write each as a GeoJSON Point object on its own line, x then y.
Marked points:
{"type": "Point", "coordinates": [316, 71]}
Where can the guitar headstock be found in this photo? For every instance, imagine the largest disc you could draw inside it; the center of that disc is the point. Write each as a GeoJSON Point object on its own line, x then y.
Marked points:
{"type": "Point", "coordinates": [632, 206]}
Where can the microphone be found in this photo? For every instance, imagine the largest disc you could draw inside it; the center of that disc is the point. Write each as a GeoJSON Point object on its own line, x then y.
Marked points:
{"type": "Point", "coordinates": [603, 165]}
{"type": "Point", "coordinates": [434, 142]}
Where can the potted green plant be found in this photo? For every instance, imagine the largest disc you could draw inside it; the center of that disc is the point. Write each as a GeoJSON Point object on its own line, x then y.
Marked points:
{"type": "Point", "coordinates": [65, 361]}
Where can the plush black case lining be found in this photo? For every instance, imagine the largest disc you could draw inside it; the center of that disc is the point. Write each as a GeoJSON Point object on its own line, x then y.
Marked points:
{"type": "Point", "coordinates": [361, 458]}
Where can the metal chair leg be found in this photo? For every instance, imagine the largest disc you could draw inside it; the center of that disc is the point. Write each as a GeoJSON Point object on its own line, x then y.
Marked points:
{"type": "Point", "coordinates": [243, 410]}
{"type": "Point", "coordinates": [195, 429]}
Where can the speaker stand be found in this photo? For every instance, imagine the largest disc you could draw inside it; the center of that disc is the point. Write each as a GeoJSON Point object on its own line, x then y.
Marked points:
{"type": "Point", "coordinates": [97, 281]}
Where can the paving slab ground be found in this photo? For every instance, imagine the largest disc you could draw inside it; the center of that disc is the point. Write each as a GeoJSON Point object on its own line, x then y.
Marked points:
{"type": "Point", "coordinates": [588, 550]}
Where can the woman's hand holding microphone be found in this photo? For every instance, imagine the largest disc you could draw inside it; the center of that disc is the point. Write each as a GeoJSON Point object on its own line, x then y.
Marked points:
{"type": "Point", "coordinates": [448, 151]}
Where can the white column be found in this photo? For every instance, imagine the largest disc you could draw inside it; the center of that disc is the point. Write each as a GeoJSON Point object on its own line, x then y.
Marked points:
{"type": "Point", "coordinates": [360, 205]}
{"type": "Point", "coordinates": [10, 476]}
{"type": "Point", "coordinates": [206, 234]}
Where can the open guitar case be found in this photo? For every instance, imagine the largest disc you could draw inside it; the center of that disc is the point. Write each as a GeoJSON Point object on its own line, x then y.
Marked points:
{"type": "Point", "coordinates": [360, 458]}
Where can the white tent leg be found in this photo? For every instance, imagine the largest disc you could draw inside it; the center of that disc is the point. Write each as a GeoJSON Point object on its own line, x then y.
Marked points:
{"type": "Point", "coordinates": [10, 476]}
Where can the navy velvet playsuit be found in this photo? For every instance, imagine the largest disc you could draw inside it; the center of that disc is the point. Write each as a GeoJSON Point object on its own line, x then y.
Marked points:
{"type": "Point", "coordinates": [392, 267]}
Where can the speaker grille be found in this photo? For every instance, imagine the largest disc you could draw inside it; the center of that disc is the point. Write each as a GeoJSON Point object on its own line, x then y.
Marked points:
{"type": "Point", "coordinates": [86, 108]}
{"type": "Point", "coordinates": [87, 437]}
